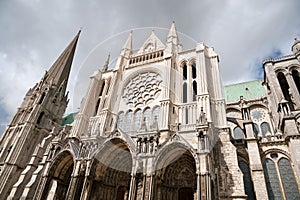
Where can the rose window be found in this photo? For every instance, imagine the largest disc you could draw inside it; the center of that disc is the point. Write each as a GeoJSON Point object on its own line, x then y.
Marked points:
{"type": "Point", "coordinates": [142, 89]}
{"type": "Point", "coordinates": [258, 114]}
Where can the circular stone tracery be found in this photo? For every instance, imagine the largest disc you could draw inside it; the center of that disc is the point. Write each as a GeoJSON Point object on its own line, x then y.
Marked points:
{"type": "Point", "coordinates": [142, 89]}
{"type": "Point", "coordinates": [258, 114]}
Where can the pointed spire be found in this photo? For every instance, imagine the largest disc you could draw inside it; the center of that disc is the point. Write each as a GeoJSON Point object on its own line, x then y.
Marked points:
{"type": "Point", "coordinates": [105, 67]}
{"type": "Point", "coordinates": [173, 36]}
{"type": "Point", "coordinates": [60, 70]}
{"type": "Point", "coordinates": [127, 48]}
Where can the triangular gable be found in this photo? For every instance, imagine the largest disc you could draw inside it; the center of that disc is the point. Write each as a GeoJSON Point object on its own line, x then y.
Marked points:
{"type": "Point", "coordinates": [153, 43]}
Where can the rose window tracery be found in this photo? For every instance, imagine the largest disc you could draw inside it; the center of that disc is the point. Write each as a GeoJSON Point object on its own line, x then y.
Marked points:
{"type": "Point", "coordinates": [142, 89]}
{"type": "Point", "coordinates": [258, 115]}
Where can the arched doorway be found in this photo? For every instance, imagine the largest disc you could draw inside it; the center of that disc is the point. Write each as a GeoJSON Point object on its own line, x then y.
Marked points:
{"type": "Point", "coordinates": [111, 172]}
{"type": "Point", "coordinates": [60, 173]}
{"type": "Point", "coordinates": [175, 177]}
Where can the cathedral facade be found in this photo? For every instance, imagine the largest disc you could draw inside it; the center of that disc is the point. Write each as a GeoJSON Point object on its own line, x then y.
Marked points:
{"type": "Point", "coordinates": [158, 125]}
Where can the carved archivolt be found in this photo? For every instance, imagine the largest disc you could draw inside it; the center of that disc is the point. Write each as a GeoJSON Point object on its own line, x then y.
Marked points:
{"type": "Point", "coordinates": [142, 89]}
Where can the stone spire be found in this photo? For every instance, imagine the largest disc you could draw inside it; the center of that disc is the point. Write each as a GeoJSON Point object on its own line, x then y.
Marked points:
{"type": "Point", "coordinates": [60, 70]}
{"type": "Point", "coordinates": [105, 67]}
{"type": "Point", "coordinates": [127, 48]}
{"type": "Point", "coordinates": [41, 110]}
{"type": "Point", "coordinates": [173, 36]}
{"type": "Point", "coordinates": [172, 43]}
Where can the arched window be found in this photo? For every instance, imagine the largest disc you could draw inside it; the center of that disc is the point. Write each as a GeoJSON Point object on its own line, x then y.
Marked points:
{"type": "Point", "coordinates": [137, 120]}
{"type": "Point", "coordinates": [108, 84]}
{"type": "Point", "coordinates": [155, 114]}
{"type": "Point", "coordinates": [186, 115]}
{"type": "Point", "coordinates": [127, 121]}
{"type": "Point", "coordinates": [285, 88]}
{"type": "Point", "coordinates": [147, 115]}
{"type": "Point", "coordinates": [40, 118]}
{"type": "Point", "coordinates": [288, 179]}
{"type": "Point", "coordinates": [296, 78]}
{"type": "Point", "coordinates": [238, 133]}
{"type": "Point", "coordinates": [97, 106]}
{"type": "Point", "coordinates": [194, 71]}
{"type": "Point", "coordinates": [265, 128]}
{"type": "Point", "coordinates": [120, 120]}
{"type": "Point", "coordinates": [255, 129]}
{"type": "Point", "coordinates": [282, 171]}
{"type": "Point", "coordinates": [194, 91]}
{"type": "Point", "coordinates": [184, 71]}
{"type": "Point", "coordinates": [272, 181]}
{"type": "Point", "coordinates": [248, 184]}
{"type": "Point", "coordinates": [42, 98]}
{"type": "Point", "coordinates": [102, 88]}
{"type": "Point", "coordinates": [184, 93]}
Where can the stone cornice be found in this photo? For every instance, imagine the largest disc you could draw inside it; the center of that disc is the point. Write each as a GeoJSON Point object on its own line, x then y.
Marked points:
{"type": "Point", "coordinates": [278, 59]}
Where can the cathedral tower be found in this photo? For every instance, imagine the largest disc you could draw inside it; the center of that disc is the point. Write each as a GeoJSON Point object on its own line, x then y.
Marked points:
{"type": "Point", "coordinates": [40, 111]}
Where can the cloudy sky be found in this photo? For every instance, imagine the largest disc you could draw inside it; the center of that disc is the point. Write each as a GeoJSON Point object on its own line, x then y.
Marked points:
{"type": "Point", "coordinates": [34, 33]}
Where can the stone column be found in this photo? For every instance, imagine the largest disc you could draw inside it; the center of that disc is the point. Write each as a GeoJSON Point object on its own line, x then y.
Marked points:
{"type": "Point", "coordinates": [132, 187]}
{"type": "Point", "coordinates": [148, 187]}
{"type": "Point", "coordinates": [198, 187]}
{"type": "Point", "coordinates": [74, 181]}
{"type": "Point", "coordinates": [87, 182]}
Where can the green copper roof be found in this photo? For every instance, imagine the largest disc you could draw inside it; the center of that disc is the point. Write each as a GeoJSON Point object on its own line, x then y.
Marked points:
{"type": "Point", "coordinates": [249, 90]}
{"type": "Point", "coordinates": [68, 118]}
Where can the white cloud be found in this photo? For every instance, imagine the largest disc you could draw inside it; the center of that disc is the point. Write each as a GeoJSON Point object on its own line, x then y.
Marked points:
{"type": "Point", "coordinates": [35, 32]}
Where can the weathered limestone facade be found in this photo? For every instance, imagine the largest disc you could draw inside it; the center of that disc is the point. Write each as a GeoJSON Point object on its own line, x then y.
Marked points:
{"type": "Point", "coordinates": [156, 126]}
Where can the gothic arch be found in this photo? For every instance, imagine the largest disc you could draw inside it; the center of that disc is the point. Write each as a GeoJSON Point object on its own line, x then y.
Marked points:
{"type": "Point", "coordinates": [59, 176]}
{"type": "Point", "coordinates": [175, 172]}
{"type": "Point", "coordinates": [296, 77]}
{"type": "Point", "coordinates": [182, 62]}
{"type": "Point", "coordinates": [280, 175]}
{"type": "Point", "coordinates": [293, 66]}
{"type": "Point", "coordinates": [258, 105]}
{"type": "Point", "coordinates": [174, 148]}
{"type": "Point", "coordinates": [111, 170]}
{"type": "Point", "coordinates": [285, 87]}
{"type": "Point", "coordinates": [191, 61]}
{"type": "Point", "coordinates": [274, 150]}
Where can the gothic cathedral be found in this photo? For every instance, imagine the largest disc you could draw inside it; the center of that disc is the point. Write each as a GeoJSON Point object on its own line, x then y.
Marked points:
{"type": "Point", "coordinates": [158, 125]}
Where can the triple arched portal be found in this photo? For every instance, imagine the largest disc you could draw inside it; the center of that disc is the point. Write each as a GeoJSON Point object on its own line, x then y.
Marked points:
{"type": "Point", "coordinates": [115, 173]}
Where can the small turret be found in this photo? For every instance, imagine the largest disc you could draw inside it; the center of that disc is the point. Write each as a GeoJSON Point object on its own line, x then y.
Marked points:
{"type": "Point", "coordinates": [172, 43]}
{"type": "Point", "coordinates": [296, 48]}
{"type": "Point", "coordinates": [127, 48]}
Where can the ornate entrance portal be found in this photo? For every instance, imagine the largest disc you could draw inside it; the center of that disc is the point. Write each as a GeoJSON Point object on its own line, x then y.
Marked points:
{"type": "Point", "coordinates": [176, 175]}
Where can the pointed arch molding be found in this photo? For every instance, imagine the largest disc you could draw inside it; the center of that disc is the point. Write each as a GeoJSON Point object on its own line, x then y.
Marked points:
{"type": "Point", "coordinates": [171, 151]}
{"type": "Point", "coordinates": [63, 159]}
{"type": "Point", "coordinates": [191, 61]}
{"type": "Point", "coordinates": [274, 150]}
{"type": "Point", "coordinates": [114, 153]}
{"type": "Point", "coordinates": [119, 134]}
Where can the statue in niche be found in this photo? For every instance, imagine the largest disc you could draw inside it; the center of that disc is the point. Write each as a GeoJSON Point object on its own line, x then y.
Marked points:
{"type": "Point", "coordinates": [244, 108]}
{"type": "Point", "coordinates": [97, 132]}
{"type": "Point", "coordinates": [143, 125]}
{"type": "Point", "coordinates": [202, 117]}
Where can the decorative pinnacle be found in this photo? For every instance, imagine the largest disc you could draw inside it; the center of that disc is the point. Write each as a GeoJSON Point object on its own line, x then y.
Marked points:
{"type": "Point", "coordinates": [105, 67]}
